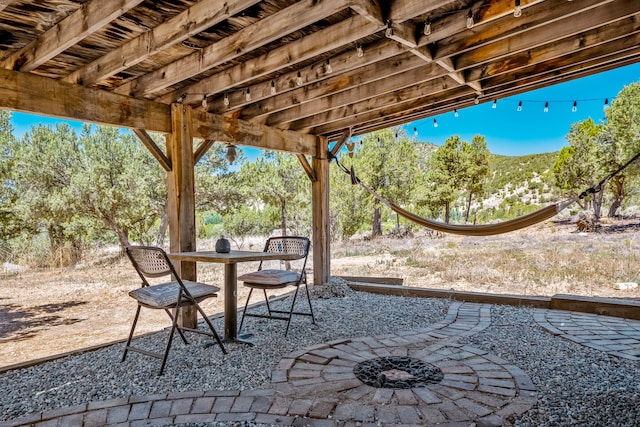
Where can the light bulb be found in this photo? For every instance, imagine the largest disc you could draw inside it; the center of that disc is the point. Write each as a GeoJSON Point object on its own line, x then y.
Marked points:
{"type": "Point", "coordinates": [575, 106]}
{"type": "Point", "coordinates": [415, 132]}
{"type": "Point", "coordinates": [247, 95]}
{"type": "Point", "coordinates": [328, 67]}
{"type": "Point", "coordinates": [476, 100]}
{"type": "Point", "coordinates": [435, 123]}
{"type": "Point", "coordinates": [519, 106]}
{"type": "Point", "coordinates": [204, 102]}
{"type": "Point", "coordinates": [389, 31]}
{"type": "Point", "coordinates": [273, 87]}
{"type": "Point", "coordinates": [470, 19]}
{"type": "Point", "coordinates": [299, 79]}
{"type": "Point", "coordinates": [517, 11]}
{"type": "Point", "coordinates": [427, 27]}
{"type": "Point", "coordinates": [546, 107]}
{"type": "Point", "coordinates": [606, 104]}
{"type": "Point", "coordinates": [455, 113]}
{"type": "Point", "coordinates": [225, 100]}
{"type": "Point", "coordinates": [360, 51]}
{"type": "Point", "coordinates": [231, 153]}
{"type": "Point", "coordinates": [495, 104]}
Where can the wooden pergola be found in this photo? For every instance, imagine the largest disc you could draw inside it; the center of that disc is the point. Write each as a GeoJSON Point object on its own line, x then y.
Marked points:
{"type": "Point", "coordinates": [297, 76]}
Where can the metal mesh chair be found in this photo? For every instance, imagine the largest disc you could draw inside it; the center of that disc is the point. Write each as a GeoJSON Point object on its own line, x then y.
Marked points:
{"type": "Point", "coordinates": [292, 248]}
{"type": "Point", "coordinates": [152, 262]}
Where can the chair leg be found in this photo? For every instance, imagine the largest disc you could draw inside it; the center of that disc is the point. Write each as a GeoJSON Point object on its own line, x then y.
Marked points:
{"type": "Point", "coordinates": [244, 312]}
{"type": "Point", "coordinates": [133, 328]}
{"type": "Point", "coordinates": [213, 330]}
{"type": "Point", "coordinates": [184, 339]}
{"type": "Point", "coordinates": [313, 318]}
{"type": "Point", "coordinates": [266, 300]}
{"type": "Point", "coordinates": [170, 340]}
{"type": "Point", "coordinates": [293, 303]}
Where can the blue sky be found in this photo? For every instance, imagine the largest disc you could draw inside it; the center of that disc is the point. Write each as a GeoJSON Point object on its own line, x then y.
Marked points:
{"type": "Point", "coordinates": [512, 133]}
{"type": "Point", "coordinates": [507, 131]}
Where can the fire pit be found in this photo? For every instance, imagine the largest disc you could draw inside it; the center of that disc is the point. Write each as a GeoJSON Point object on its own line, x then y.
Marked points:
{"type": "Point", "coordinates": [397, 372]}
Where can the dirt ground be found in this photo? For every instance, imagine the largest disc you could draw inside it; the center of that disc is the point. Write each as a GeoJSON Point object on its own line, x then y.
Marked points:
{"type": "Point", "coordinates": [45, 313]}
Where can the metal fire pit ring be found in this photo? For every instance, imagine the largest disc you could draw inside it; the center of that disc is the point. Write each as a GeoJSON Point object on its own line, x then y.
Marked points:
{"type": "Point", "coordinates": [397, 372]}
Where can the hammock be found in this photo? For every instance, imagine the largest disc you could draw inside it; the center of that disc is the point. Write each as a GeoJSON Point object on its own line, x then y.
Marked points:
{"type": "Point", "coordinates": [484, 229]}
{"type": "Point", "coordinates": [476, 230]}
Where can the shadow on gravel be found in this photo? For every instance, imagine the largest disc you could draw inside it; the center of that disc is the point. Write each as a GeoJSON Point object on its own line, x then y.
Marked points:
{"type": "Point", "coordinates": [18, 323]}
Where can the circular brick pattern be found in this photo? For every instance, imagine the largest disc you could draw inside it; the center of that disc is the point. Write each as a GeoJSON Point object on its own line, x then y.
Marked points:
{"type": "Point", "coordinates": [397, 372]}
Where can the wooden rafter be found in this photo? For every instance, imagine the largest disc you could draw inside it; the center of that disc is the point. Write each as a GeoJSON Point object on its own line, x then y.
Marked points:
{"type": "Point", "coordinates": [83, 22]}
{"type": "Point", "coordinates": [200, 16]}
{"type": "Point", "coordinates": [148, 142]}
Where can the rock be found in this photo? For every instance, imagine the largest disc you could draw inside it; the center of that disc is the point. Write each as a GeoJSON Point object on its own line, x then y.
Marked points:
{"type": "Point", "coordinates": [625, 286]}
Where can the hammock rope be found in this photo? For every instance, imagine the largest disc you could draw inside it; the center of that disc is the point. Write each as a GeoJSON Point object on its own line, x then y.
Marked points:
{"type": "Point", "coordinates": [538, 216]}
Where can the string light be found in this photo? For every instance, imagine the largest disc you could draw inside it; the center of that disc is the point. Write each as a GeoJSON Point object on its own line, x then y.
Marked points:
{"type": "Point", "coordinates": [495, 104]}
{"type": "Point", "coordinates": [606, 104]}
{"type": "Point", "coordinates": [225, 100]}
{"type": "Point", "coordinates": [328, 68]}
{"type": "Point", "coordinates": [204, 102]}
{"type": "Point", "coordinates": [389, 31]}
{"type": "Point", "coordinates": [575, 106]}
{"type": "Point", "coordinates": [415, 131]}
{"type": "Point", "coordinates": [299, 79]}
{"type": "Point", "coordinates": [273, 87]}
{"type": "Point", "coordinates": [519, 106]}
{"type": "Point", "coordinates": [247, 95]}
{"type": "Point", "coordinates": [435, 123]}
{"type": "Point", "coordinates": [476, 100]}
{"type": "Point", "coordinates": [470, 22]}
{"type": "Point", "coordinates": [427, 27]}
{"type": "Point", "coordinates": [517, 11]}
{"type": "Point", "coordinates": [360, 51]}
{"type": "Point", "coordinates": [231, 153]}
{"type": "Point", "coordinates": [546, 107]}
{"type": "Point", "coordinates": [455, 112]}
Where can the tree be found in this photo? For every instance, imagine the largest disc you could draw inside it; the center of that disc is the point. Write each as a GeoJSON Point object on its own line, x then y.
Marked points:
{"type": "Point", "coordinates": [386, 161]}
{"type": "Point", "coordinates": [119, 184]}
{"type": "Point", "coordinates": [621, 133]}
{"type": "Point", "coordinates": [45, 160]}
{"type": "Point", "coordinates": [445, 176]}
{"type": "Point", "coordinates": [278, 180]}
{"type": "Point", "coordinates": [475, 159]}
{"type": "Point", "coordinates": [10, 223]}
{"type": "Point", "coordinates": [580, 165]}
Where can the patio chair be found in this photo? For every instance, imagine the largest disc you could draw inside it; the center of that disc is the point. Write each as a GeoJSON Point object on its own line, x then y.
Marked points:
{"type": "Point", "coordinates": [152, 262]}
{"type": "Point", "coordinates": [292, 248]}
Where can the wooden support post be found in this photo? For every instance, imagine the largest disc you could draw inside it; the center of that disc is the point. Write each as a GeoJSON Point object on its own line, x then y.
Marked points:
{"type": "Point", "coordinates": [181, 198]}
{"type": "Point", "coordinates": [320, 214]}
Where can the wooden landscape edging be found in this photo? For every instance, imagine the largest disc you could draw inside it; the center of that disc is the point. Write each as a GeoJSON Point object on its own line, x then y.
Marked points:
{"type": "Point", "coordinates": [593, 305]}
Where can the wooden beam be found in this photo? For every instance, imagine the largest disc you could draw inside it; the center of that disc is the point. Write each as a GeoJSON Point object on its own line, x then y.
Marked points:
{"type": "Point", "coordinates": [606, 38]}
{"type": "Point", "coordinates": [303, 115]}
{"type": "Point", "coordinates": [4, 4]}
{"type": "Point", "coordinates": [269, 29]}
{"type": "Point", "coordinates": [189, 22]}
{"type": "Point", "coordinates": [341, 141]}
{"type": "Point", "coordinates": [202, 150]}
{"type": "Point", "coordinates": [83, 22]}
{"type": "Point", "coordinates": [323, 41]}
{"type": "Point", "coordinates": [153, 148]}
{"type": "Point", "coordinates": [311, 93]}
{"type": "Point", "coordinates": [344, 63]}
{"type": "Point", "coordinates": [307, 167]}
{"type": "Point", "coordinates": [502, 25]}
{"type": "Point", "coordinates": [181, 199]}
{"type": "Point", "coordinates": [229, 130]}
{"type": "Point", "coordinates": [371, 10]}
{"type": "Point", "coordinates": [320, 215]}
{"type": "Point", "coordinates": [557, 30]}
{"type": "Point", "coordinates": [30, 93]}
{"type": "Point", "coordinates": [381, 112]}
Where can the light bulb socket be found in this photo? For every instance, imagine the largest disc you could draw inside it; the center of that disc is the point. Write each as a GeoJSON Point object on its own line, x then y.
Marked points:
{"type": "Point", "coordinates": [389, 31]}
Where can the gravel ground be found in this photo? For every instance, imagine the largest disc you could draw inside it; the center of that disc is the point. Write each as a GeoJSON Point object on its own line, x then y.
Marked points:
{"type": "Point", "coordinates": [577, 386]}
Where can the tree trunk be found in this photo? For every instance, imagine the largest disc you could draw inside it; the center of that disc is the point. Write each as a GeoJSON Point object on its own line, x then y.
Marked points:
{"type": "Point", "coordinates": [377, 222]}
{"type": "Point", "coordinates": [283, 216]}
{"type": "Point", "coordinates": [618, 190]}
{"type": "Point", "coordinates": [447, 213]}
{"type": "Point", "coordinates": [466, 215]}
{"type": "Point", "coordinates": [597, 204]}
{"type": "Point", "coordinates": [164, 224]}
